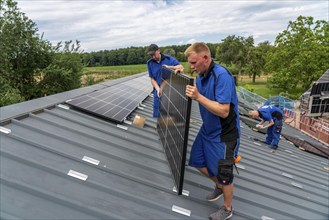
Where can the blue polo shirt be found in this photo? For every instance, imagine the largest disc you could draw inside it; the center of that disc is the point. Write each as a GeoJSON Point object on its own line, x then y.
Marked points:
{"type": "Point", "coordinates": [154, 68]}
{"type": "Point", "coordinates": [270, 112]}
{"type": "Point", "coordinates": [218, 85]}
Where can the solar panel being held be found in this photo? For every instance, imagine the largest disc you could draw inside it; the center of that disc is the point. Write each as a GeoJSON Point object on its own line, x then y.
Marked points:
{"type": "Point", "coordinates": [173, 122]}
{"type": "Point", "coordinates": [115, 102]}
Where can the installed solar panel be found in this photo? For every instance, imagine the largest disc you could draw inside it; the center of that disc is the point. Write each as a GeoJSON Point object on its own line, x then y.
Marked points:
{"type": "Point", "coordinates": [318, 106]}
{"type": "Point", "coordinates": [173, 122]}
{"type": "Point", "coordinates": [319, 87]}
{"type": "Point", "coordinates": [115, 102]}
{"type": "Point", "coordinates": [319, 99]}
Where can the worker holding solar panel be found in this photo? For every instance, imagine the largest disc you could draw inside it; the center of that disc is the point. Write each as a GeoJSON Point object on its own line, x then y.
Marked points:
{"type": "Point", "coordinates": [217, 143]}
{"type": "Point", "coordinates": [154, 66]}
{"type": "Point", "coordinates": [274, 116]}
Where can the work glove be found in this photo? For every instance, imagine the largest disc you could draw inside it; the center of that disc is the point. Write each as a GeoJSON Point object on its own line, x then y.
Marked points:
{"type": "Point", "coordinates": [259, 126]}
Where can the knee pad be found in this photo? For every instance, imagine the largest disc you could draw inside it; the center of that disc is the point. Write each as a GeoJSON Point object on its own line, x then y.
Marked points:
{"type": "Point", "coordinates": [225, 171]}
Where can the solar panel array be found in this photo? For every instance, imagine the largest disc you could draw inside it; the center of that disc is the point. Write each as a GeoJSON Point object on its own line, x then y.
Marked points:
{"type": "Point", "coordinates": [116, 102]}
{"type": "Point", "coordinates": [173, 122]}
{"type": "Point", "coordinates": [319, 87]}
{"type": "Point", "coordinates": [319, 99]}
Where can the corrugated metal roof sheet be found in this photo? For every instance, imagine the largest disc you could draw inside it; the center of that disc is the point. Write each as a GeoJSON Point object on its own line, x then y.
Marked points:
{"type": "Point", "coordinates": [132, 179]}
{"type": "Point", "coordinates": [324, 77]}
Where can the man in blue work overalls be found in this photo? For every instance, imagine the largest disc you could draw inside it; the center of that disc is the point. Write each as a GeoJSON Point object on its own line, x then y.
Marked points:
{"type": "Point", "coordinates": [217, 142]}
{"type": "Point", "coordinates": [154, 66]}
{"type": "Point", "coordinates": [275, 117]}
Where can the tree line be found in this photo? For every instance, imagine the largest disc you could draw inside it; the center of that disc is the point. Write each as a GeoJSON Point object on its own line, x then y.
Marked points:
{"type": "Point", "coordinates": [31, 67]}
{"type": "Point", "coordinates": [134, 55]}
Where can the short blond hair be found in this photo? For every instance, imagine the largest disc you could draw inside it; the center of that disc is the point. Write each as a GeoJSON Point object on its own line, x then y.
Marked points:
{"type": "Point", "coordinates": [253, 114]}
{"type": "Point", "coordinates": [198, 47]}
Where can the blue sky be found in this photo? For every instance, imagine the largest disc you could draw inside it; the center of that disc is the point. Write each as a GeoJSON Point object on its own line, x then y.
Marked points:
{"type": "Point", "coordinates": [108, 24]}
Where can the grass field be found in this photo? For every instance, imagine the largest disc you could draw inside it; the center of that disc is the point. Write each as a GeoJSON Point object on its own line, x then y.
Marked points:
{"type": "Point", "coordinates": [261, 88]}
{"type": "Point", "coordinates": [129, 68]}
{"type": "Point", "coordinates": [92, 75]}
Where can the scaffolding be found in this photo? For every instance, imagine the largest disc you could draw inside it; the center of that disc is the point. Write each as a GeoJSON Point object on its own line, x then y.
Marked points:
{"type": "Point", "coordinates": [318, 128]}
{"type": "Point", "coordinates": [251, 97]}
{"type": "Point", "coordinates": [281, 102]}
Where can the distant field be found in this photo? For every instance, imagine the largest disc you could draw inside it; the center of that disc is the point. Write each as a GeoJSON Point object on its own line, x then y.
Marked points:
{"type": "Point", "coordinates": [92, 75]}
{"type": "Point", "coordinates": [129, 68]}
{"type": "Point", "coordinates": [260, 87]}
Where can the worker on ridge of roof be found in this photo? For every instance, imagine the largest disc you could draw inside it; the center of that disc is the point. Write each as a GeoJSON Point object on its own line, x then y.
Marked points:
{"type": "Point", "coordinates": [154, 66]}
{"type": "Point", "coordinates": [275, 117]}
{"type": "Point", "coordinates": [217, 142]}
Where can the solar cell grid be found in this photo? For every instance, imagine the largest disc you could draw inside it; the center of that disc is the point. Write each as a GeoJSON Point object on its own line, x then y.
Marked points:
{"type": "Point", "coordinates": [173, 122]}
{"type": "Point", "coordinates": [319, 87]}
{"type": "Point", "coordinates": [319, 99]}
{"type": "Point", "coordinates": [115, 102]}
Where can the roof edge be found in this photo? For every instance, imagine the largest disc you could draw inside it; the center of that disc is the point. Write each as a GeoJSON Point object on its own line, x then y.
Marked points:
{"type": "Point", "coordinates": [20, 109]}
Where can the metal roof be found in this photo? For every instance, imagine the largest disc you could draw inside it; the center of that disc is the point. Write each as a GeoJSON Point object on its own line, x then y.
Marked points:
{"type": "Point", "coordinates": [59, 163]}
{"type": "Point", "coordinates": [324, 77]}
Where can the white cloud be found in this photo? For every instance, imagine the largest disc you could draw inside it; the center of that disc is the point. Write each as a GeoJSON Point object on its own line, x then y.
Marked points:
{"type": "Point", "coordinates": [108, 24]}
{"type": "Point", "coordinates": [191, 41]}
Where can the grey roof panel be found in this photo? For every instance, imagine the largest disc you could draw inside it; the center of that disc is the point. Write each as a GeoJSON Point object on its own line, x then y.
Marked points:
{"type": "Point", "coordinates": [132, 179]}
{"type": "Point", "coordinates": [19, 109]}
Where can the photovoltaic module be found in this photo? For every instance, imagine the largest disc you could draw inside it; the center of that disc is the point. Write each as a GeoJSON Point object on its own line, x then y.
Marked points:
{"type": "Point", "coordinates": [173, 122]}
{"type": "Point", "coordinates": [115, 102]}
{"type": "Point", "coordinates": [319, 99]}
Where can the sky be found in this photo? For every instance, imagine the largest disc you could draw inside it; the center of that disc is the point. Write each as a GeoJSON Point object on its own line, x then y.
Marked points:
{"type": "Point", "coordinates": [107, 24]}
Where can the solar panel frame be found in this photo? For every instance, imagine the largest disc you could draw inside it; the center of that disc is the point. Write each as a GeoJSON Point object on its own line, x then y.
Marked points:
{"type": "Point", "coordinates": [116, 102]}
{"type": "Point", "coordinates": [319, 99]}
{"type": "Point", "coordinates": [318, 106]}
{"type": "Point", "coordinates": [319, 87]}
{"type": "Point", "coordinates": [173, 122]}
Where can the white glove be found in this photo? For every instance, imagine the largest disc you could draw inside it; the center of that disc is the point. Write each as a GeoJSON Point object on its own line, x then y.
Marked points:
{"type": "Point", "coordinates": [259, 126]}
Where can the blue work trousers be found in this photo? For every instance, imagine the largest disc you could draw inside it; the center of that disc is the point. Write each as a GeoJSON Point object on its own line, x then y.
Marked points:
{"type": "Point", "coordinates": [156, 104]}
{"type": "Point", "coordinates": [273, 133]}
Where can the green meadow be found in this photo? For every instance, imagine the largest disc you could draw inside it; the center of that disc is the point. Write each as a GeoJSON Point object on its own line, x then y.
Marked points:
{"type": "Point", "coordinates": [92, 75]}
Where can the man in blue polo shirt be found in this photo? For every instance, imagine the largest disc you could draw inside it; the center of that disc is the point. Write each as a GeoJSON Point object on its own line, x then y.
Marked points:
{"type": "Point", "coordinates": [217, 142]}
{"type": "Point", "coordinates": [154, 65]}
{"type": "Point", "coordinates": [274, 116]}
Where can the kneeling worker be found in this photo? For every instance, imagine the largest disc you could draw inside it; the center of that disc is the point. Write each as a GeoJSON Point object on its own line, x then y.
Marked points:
{"type": "Point", "coordinates": [274, 116]}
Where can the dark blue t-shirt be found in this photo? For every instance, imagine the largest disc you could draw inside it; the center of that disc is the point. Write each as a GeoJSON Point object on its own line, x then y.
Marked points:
{"type": "Point", "coordinates": [154, 68]}
{"type": "Point", "coordinates": [218, 85]}
{"type": "Point", "coordinates": [270, 112]}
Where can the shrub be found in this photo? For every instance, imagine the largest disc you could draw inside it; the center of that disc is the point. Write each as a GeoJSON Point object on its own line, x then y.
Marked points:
{"type": "Point", "coordinates": [249, 87]}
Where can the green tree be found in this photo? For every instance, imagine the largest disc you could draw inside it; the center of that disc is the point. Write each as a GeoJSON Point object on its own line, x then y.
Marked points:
{"type": "Point", "coordinates": [301, 53]}
{"type": "Point", "coordinates": [64, 73]}
{"type": "Point", "coordinates": [169, 51]}
{"type": "Point", "coordinates": [181, 57]}
{"type": "Point", "coordinates": [212, 48]}
{"type": "Point", "coordinates": [22, 50]}
{"type": "Point", "coordinates": [233, 50]}
{"type": "Point", "coordinates": [256, 59]}
{"type": "Point", "coordinates": [31, 67]}
{"type": "Point", "coordinates": [8, 94]}
{"type": "Point", "coordinates": [132, 57]}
